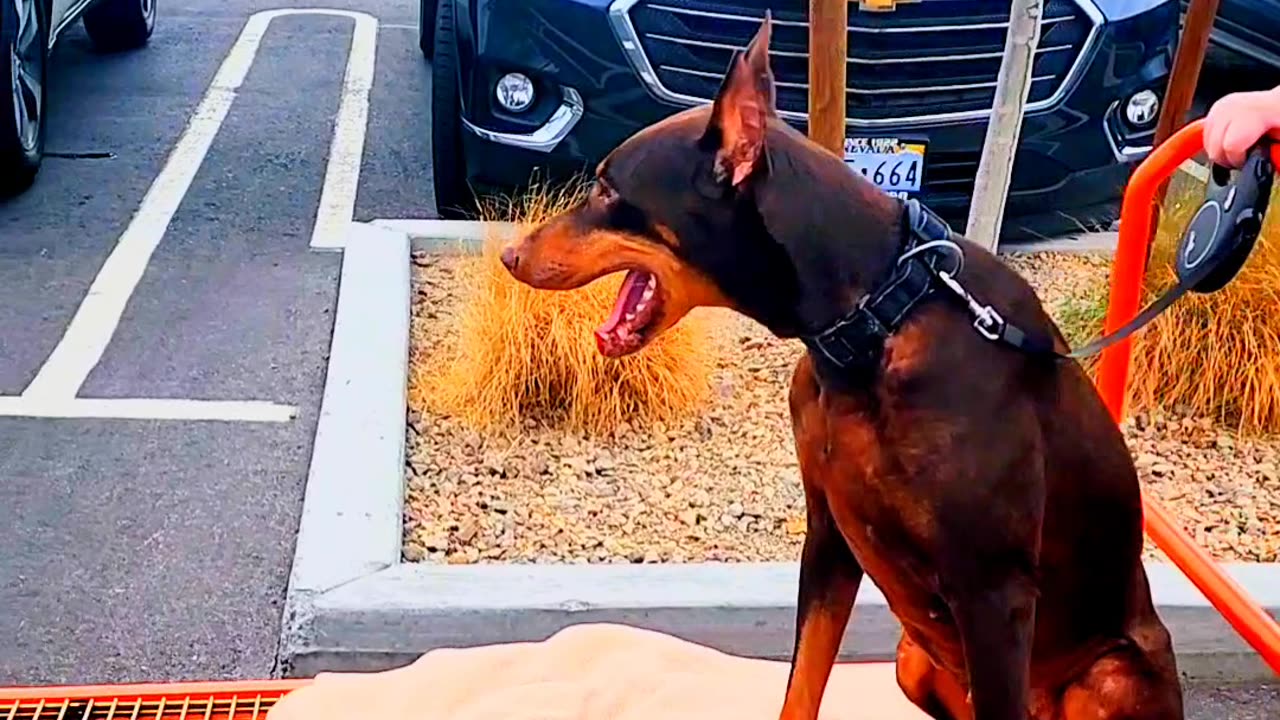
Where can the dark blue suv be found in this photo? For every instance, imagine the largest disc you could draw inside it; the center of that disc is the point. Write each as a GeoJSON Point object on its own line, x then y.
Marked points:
{"type": "Point", "coordinates": [1248, 28]}
{"type": "Point", "coordinates": [541, 89]}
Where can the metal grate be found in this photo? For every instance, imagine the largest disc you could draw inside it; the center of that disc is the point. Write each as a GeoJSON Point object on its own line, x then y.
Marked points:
{"type": "Point", "coordinates": [189, 701]}
{"type": "Point", "coordinates": [928, 59]}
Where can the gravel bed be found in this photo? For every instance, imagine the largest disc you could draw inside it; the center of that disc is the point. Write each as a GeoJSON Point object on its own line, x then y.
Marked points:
{"type": "Point", "coordinates": [724, 485]}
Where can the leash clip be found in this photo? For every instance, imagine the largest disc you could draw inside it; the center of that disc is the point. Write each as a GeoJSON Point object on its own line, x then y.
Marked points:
{"type": "Point", "coordinates": [988, 323]}
{"type": "Point", "coordinates": [986, 320]}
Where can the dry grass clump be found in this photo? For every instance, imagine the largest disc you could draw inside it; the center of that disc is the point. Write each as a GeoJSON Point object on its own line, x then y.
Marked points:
{"type": "Point", "coordinates": [1214, 355]}
{"type": "Point", "coordinates": [520, 354]}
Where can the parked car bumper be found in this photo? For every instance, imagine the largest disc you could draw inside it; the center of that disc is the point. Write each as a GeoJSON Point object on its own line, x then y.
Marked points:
{"type": "Point", "coordinates": [1248, 28]}
{"type": "Point", "coordinates": [1075, 154]}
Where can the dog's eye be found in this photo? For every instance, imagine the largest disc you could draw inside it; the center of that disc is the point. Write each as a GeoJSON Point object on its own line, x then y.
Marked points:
{"type": "Point", "coordinates": [603, 192]}
{"type": "Point", "coordinates": [619, 214]}
{"type": "Point", "coordinates": [628, 218]}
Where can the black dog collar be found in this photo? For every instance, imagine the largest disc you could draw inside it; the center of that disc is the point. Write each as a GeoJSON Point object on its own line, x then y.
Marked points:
{"type": "Point", "coordinates": [929, 260]}
{"type": "Point", "coordinates": [856, 340]}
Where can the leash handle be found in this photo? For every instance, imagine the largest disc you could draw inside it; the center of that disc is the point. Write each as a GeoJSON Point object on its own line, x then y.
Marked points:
{"type": "Point", "coordinates": [1223, 231]}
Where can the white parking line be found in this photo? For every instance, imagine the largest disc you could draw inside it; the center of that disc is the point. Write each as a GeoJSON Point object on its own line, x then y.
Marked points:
{"type": "Point", "coordinates": [53, 392]}
{"type": "Point", "coordinates": [148, 409]}
{"type": "Point", "coordinates": [342, 176]}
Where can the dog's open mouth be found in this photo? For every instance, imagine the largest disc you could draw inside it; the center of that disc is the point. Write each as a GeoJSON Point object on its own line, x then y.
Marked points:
{"type": "Point", "coordinates": [633, 314]}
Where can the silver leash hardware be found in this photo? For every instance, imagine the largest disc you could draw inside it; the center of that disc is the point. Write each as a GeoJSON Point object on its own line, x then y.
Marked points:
{"type": "Point", "coordinates": [986, 320]}
{"type": "Point", "coordinates": [954, 251]}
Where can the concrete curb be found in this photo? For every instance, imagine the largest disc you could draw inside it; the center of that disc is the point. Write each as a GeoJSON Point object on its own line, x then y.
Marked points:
{"type": "Point", "coordinates": [394, 615]}
{"type": "Point", "coordinates": [447, 236]}
{"type": "Point", "coordinates": [1091, 242]}
{"type": "Point", "coordinates": [354, 605]}
{"type": "Point", "coordinates": [351, 513]}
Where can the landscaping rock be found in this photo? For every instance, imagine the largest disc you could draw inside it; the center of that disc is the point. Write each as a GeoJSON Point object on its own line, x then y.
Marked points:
{"type": "Point", "coordinates": [724, 486]}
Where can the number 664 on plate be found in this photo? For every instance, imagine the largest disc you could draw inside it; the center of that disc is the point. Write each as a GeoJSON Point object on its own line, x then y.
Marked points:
{"type": "Point", "coordinates": [895, 166]}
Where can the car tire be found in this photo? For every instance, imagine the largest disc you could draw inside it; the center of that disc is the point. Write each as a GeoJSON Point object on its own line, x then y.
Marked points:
{"type": "Point", "coordinates": [24, 58]}
{"type": "Point", "coordinates": [427, 27]}
{"type": "Point", "coordinates": [454, 199]}
{"type": "Point", "coordinates": [115, 25]}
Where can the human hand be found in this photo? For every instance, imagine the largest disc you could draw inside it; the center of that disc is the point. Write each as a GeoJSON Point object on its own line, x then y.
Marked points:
{"type": "Point", "coordinates": [1236, 122]}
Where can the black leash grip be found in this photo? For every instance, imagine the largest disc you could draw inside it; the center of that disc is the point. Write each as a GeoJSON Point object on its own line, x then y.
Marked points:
{"type": "Point", "coordinates": [1225, 228]}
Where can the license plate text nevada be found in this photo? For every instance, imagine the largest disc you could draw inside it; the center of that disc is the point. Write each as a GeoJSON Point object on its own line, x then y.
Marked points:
{"type": "Point", "coordinates": [896, 167]}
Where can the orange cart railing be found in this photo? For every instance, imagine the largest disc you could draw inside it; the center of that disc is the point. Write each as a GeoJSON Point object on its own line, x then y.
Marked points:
{"type": "Point", "coordinates": [233, 700]}
{"type": "Point", "coordinates": [1253, 623]}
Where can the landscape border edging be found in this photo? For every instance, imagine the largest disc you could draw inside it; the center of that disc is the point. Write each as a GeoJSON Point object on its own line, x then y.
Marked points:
{"type": "Point", "coordinates": [350, 529]}
{"type": "Point", "coordinates": [386, 614]}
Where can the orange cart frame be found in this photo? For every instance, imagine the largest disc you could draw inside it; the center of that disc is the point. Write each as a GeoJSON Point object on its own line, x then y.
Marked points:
{"type": "Point", "coordinates": [212, 700]}
{"type": "Point", "coordinates": [1128, 271]}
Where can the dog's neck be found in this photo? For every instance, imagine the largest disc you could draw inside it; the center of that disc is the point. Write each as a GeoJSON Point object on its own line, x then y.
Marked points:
{"type": "Point", "coordinates": [841, 233]}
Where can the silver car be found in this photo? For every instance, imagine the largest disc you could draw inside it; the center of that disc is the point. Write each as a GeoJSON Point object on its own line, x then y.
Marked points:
{"type": "Point", "coordinates": [28, 31]}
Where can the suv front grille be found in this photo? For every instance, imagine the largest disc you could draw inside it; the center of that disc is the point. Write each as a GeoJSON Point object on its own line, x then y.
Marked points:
{"type": "Point", "coordinates": [928, 59]}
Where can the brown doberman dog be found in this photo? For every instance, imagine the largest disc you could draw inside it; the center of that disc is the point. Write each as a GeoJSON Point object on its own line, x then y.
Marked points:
{"type": "Point", "coordinates": [985, 490]}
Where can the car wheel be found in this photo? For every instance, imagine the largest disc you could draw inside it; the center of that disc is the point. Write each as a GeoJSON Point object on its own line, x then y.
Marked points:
{"type": "Point", "coordinates": [120, 24]}
{"type": "Point", "coordinates": [427, 27]}
{"type": "Point", "coordinates": [454, 199]}
{"type": "Point", "coordinates": [23, 62]}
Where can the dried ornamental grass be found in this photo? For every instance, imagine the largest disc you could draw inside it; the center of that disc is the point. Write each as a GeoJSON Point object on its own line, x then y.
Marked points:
{"type": "Point", "coordinates": [520, 353]}
{"type": "Point", "coordinates": [1215, 355]}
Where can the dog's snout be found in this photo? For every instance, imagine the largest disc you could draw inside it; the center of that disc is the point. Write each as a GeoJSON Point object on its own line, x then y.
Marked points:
{"type": "Point", "coordinates": [510, 258]}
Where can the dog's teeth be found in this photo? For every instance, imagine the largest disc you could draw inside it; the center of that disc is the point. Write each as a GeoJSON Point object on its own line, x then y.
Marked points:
{"type": "Point", "coordinates": [641, 306]}
{"type": "Point", "coordinates": [631, 316]}
{"type": "Point", "coordinates": [653, 283]}
{"type": "Point", "coordinates": [648, 293]}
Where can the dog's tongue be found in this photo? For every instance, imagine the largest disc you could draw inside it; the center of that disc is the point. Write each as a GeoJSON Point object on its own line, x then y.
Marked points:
{"type": "Point", "coordinates": [628, 296]}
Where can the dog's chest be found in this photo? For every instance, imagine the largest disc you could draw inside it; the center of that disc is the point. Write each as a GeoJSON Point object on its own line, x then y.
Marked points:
{"type": "Point", "coordinates": [891, 541]}
{"type": "Point", "coordinates": [889, 527]}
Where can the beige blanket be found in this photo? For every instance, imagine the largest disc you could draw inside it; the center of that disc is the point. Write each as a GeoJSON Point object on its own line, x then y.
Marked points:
{"type": "Point", "coordinates": [589, 672]}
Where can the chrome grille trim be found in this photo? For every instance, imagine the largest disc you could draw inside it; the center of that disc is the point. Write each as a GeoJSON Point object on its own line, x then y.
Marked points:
{"type": "Point", "coordinates": [625, 31]}
{"type": "Point", "coordinates": [863, 91]}
{"type": "Point", "coordinates": [757, 19]}
{"type": "Point", "coordinates": [852, 60]}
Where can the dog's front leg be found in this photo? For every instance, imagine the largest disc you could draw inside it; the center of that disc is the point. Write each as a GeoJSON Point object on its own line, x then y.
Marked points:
{"type": "Point", "coordinates": [996, 625]}
{"type": "Point", "coordinates": [829, 579]}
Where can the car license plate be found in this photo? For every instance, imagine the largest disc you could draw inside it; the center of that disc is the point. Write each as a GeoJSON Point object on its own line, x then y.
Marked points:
{"type": "Point", "coordinates": [894, 165]}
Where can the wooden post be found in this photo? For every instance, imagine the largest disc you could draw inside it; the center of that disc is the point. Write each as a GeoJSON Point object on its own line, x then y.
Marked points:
{"type": "Point", "coordinates": [1192, 47]}
{"type": "Point", "coordinates": [1013, 84]}
{"type": "Point", "coordinates": [828, 58]}
{"type": "Point", "coordinates": [1193, 44]}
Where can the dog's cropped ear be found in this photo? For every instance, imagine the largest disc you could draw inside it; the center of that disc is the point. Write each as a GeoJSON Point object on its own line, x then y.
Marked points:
{"type": "Point", "coordinates": [741, 111]}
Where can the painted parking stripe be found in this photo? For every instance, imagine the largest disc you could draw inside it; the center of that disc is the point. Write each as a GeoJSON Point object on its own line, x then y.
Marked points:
{"type": "Point", "coordinates": [148, 409]}
{"type": "Point", "coordinates": [342, 175]}
{"type": "Point", "coordinates": [90, 331]}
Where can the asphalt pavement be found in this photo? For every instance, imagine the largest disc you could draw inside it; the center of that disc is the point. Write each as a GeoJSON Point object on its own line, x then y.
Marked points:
{"type": "Point", "coordinates": [136, 550]}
